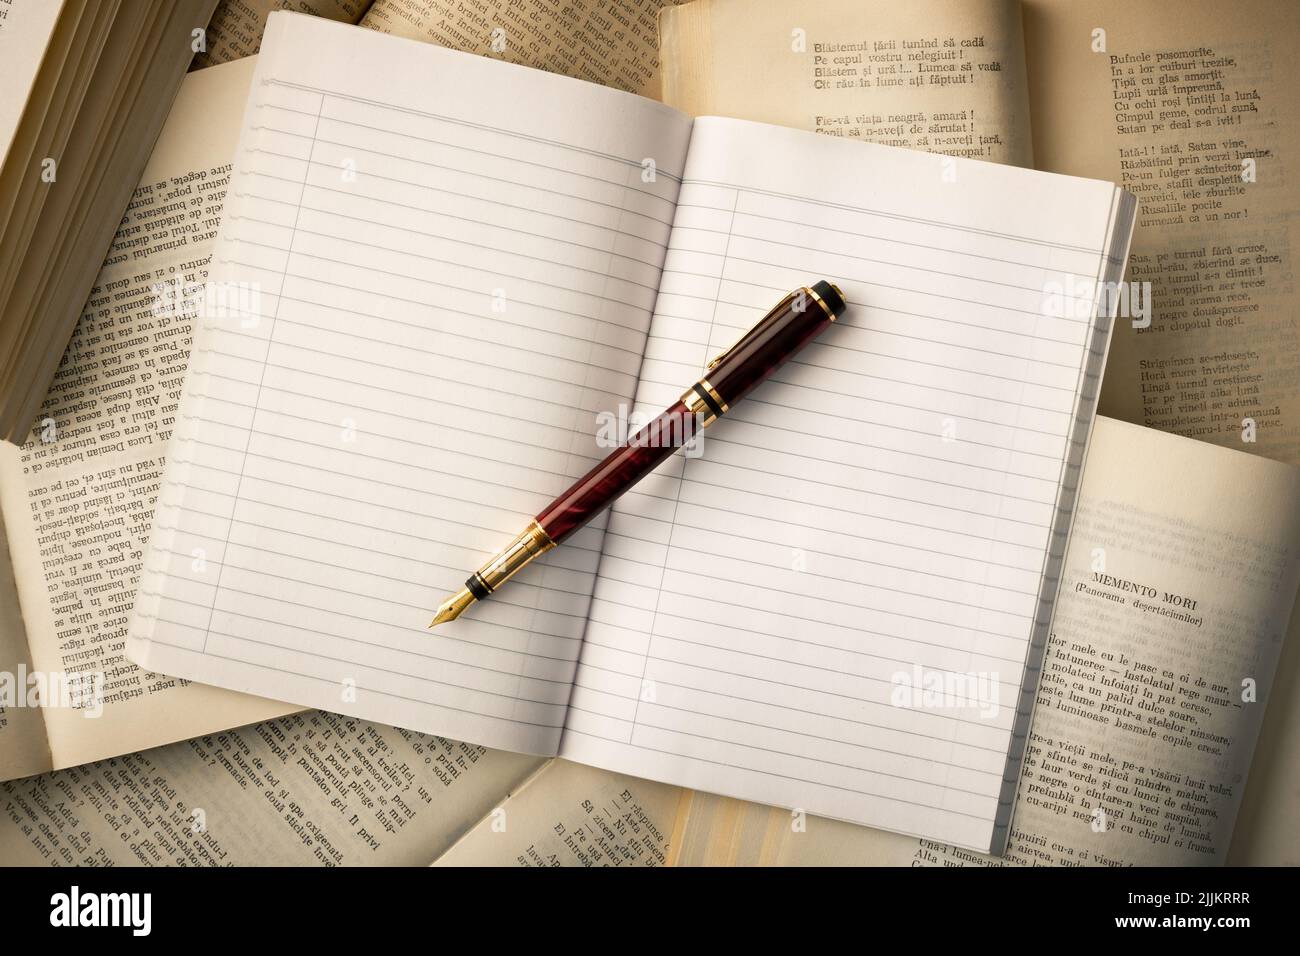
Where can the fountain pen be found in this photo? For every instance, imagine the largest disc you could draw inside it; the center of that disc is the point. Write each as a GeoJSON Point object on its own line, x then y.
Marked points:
{"type": "Point", "coordinates": [791, 324]}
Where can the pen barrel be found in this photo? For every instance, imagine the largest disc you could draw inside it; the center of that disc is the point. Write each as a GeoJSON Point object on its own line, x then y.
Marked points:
{"type": "Point", "coordinates": [794, 322]}
{"type": "Point", "coordinates": [622, 468]}
{"type": "Point", "coordinates": [789, 326]}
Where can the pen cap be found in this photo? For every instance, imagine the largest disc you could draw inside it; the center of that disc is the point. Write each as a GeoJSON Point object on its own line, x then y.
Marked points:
{"type": "Point", "coordinates": [831, 295]}
{"type": "Point", "coordinates": [793, 322]}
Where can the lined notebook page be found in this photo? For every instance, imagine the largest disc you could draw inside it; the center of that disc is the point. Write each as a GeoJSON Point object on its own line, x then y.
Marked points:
{"type": "Point", "coordinates": [892, 499]}
{"type": "Point", "coordinates": [454, 263]}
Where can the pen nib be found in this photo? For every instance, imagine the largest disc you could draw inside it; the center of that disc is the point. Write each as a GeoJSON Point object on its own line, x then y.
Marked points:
{"type": "Point", "coordinates": [453, 607]}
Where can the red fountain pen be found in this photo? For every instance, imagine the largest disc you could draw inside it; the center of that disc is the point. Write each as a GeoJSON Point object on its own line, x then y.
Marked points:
{"type": "Point", "coordinates": [794, 322]}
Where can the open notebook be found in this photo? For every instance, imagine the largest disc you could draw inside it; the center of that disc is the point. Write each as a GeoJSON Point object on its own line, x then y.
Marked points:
{"type": "Point", "coordinates": [438, 274]}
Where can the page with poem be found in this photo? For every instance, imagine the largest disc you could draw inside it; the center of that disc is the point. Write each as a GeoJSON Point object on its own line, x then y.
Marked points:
{"type": "Point", "coordinates": [1192, 107]}
{"type": "Point", "coordinates": [1196, 110]}
{"type": "Point", "coordinates": [896, 497]}
{"type": "Point", "coordinates": [1150, 703]}
{"type": "Point", "coordinates": [443, 269]}
{"type": "Point", "coordinates": [944, 76]}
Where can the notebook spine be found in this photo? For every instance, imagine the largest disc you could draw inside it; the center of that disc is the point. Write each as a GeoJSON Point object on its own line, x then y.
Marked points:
{"type": "Point", "coordinates": [1110, 273]}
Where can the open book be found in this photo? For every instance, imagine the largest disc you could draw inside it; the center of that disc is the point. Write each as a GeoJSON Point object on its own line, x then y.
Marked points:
{"type": "Point", "coordinates": [429, 308]}
{"type": "Point", "coordinates": [1191, 111]}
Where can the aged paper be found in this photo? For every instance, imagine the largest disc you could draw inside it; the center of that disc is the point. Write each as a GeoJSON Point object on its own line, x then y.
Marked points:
{"type": "Point", "coordinates": [571, 815]}
{"type": "Point", "coordinates": [236, 27]}
{"type": "Point", "coordinates": [24, 748]}
{"type": "Point", "coordinates": [612, 42]}
{"type": "Point", "coordinates": [310, 789]}
{"type": "Point", "coordinates": [945, 76]}
{"type": "Point", "coordinates": [1193, 108]}
{"type": "Point", "coordinates": [1268, 828]}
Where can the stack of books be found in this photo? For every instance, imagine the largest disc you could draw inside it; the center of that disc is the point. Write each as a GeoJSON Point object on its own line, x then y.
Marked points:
{"type": "Point", "coordinates": [350, 334]}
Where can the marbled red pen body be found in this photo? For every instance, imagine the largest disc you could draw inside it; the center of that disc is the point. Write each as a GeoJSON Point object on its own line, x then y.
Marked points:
{"type": "Point", "coordinates": [621, 469]}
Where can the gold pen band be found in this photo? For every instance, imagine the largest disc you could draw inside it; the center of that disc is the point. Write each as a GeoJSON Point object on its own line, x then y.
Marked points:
{"type": "Point", "coordinates": [530, 543]}
{"type": "Point", "coordinates": [704, 402]}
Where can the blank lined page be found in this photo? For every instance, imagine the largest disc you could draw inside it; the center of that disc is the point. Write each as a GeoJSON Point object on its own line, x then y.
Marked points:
{"type": "Point", "coordinates": [886, 505]}
{"type": "Point", "coordinates": [433, 271]}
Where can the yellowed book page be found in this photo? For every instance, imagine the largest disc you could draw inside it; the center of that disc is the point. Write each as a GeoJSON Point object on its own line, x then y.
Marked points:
{"type": "Point", "coordinates": [311, 789]}
{"type": "Point", "coordinates": [26, 28]}
{"type": "Point", "coordinates": [1175, 599]}
{"type": "Point", "coordinates": [1193, 107]}
{"type": "Point", "coordinates": [572, 815]}
{"type": "Point", "coordinates": [236, 27]}
{"type": "Point", "coordinates": [1197, 113]}
{"type": "Point", "coordinates": [612, 42]}
{"type": "Point", "coordinates": [945, 76]}
{"type": "Point", "coordinates": [24, 748]}
{"type": "Point", "coordinates": [79, 496]}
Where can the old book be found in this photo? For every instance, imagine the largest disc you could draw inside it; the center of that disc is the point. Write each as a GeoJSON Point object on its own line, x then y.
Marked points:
{"type": "Point", "coordinates": [611, 42]}
{"type": "Point", "coordinates": [235, 30]}
{"type": "Point", "coordinates": [1201, 122]}
{"type": "Point", "coordinates": [325, 483]}
{"type": "Point", "coordinates": [86, 87]}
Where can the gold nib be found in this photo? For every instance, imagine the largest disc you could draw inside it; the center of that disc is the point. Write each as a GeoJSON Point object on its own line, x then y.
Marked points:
{"type": "Point", "coordinates": [527, 545]}
{"type": "Point", "coordinates": [453, 607]}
